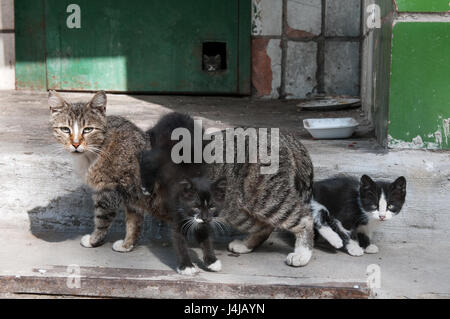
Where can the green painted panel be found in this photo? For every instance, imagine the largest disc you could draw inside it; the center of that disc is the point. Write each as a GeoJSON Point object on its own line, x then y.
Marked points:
{"type": "Point", "coordinates": [30, 44]}
{"type": "Point", "coordinates": [419, 104]}
{"type": "Point", "coordinates": [423, 5]}
{"type": "Point", "coordinates": [244, 46]}
{"type": "Point", "coordinates": [145, 46]}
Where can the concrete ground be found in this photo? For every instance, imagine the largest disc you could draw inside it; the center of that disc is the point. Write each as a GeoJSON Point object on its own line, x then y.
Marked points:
{"type": "Point", "coordinates": [44, 210]}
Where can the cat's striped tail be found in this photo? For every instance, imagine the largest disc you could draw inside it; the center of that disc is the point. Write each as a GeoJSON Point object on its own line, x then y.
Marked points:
{"type": "Point", "coordinates": [326, 225]}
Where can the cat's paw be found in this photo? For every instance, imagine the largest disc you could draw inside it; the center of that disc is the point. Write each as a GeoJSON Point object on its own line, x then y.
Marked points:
{"type": "Point", "coordinates": [188, 271]}
{"type": "Point", "coordinates": [354, 249]}
{"type": "Point", "coordinates": [371, 249]}
{"type": "Point", "coordinates": [238, 247]}
{"type": "Point", "coordinates": [86, 241]}
{"type": "Point", "coordinates": [119, 247]}
{"type": "Point", "coordinates": [300, 257]}
{"type": "Point", "coordinates": [331, 237]}
{"type": "Point", "coordinates": [215, 266]}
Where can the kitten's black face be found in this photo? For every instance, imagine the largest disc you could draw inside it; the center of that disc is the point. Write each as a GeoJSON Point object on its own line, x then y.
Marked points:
{"type": "Point", "coordinates": [199, 200]}
{"type": "Point", "coordinates": [381, 200]}
{"type": "Point", "coordinates": [212, 63]}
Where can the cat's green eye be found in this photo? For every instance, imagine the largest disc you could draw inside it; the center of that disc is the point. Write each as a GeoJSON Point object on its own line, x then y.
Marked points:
{"type": "Point", "coordinates": [87, 130]}
{"type": "Point", "coordinates": [391, 207]}
{"type": "Point", "coordinates": [374, 207]}
{"type": "Point", "coordinates": [65, 129]}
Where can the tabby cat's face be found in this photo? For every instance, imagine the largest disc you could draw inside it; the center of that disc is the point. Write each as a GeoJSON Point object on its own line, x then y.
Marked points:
{"type": "Point", "coordinates": [381, 200]}
{"type": "Point", "coordinates": [201, 200]}
{"type": "Point", "coordinates": [79, 127]}
{"type": "Point", "coordinates": [212, 63]}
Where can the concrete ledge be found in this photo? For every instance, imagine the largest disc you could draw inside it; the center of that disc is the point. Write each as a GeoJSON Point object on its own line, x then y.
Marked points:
{"type": "Point", "coordinates": [143, 283]}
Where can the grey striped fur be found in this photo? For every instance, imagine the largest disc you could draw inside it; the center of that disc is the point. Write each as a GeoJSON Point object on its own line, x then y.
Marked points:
{"type": "Point", "coordinates": [258, 203]}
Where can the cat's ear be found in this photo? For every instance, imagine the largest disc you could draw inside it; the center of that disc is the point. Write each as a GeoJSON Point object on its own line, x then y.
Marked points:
{"type": "Point", "coordinates": [219, 188]}
{"type": "Point", "coordinates": [98, 102]}
{"type": "Point", "coordinates": [400, 184]}
{"type": "Point", "coordinates": [186, 184]}
{"type": "Point", "coordinates": [218, 58]}
{"type": "Point", "coordinates": [187, 189]}
{"type": "Point", "coordinates": [366, 182]}
{"type": "Point", "coordinates": [56, 102]}
{"type": "Point", "coordinates": [205, 57]}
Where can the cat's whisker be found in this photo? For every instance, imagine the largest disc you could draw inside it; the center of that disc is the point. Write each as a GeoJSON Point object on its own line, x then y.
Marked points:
{"type": "Point", "coordinates": [225, 226]}
{"type": "Point", "coordinates": [99, 152]}
{"type": "Point", "coordinates": [187, 226]}
{"type": "Point", "coordinates": [217, 226]}
{"type": "Point", "coordinates": [191, 228]}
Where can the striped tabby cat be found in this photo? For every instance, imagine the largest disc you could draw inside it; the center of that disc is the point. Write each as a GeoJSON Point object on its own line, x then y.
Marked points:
{"type": "Point", "coordinates": [105, 150]}
{"type": "Point", "coordinates": [256, 203]}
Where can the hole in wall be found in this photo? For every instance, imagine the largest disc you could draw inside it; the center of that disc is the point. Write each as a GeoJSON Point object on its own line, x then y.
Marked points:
{"type": "Point", "coordinates": [214, 56]}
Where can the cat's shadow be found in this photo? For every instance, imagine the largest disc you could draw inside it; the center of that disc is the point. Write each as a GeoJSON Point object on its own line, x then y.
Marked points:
{"type": "Point", "coordinates": [68, 216]}
{"type": "Point", "coordinates": [163, 250]}
{"type": "Point", "coordinates": [64, 217]}
{"type": "Point", "coordinates": [71, 215]}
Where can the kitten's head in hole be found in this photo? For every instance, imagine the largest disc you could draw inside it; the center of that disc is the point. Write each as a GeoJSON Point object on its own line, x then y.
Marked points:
{"type": "Point", "coordinates": [212, 63]}
{"type": "Point", "coordinates": [382, 200]}
{"type": "Point", "coordinates": [199, 200]}
{"type": "Point", "coordinates": [79, 127]}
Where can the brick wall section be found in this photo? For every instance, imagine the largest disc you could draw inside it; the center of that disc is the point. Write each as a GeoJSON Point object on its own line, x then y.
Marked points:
{"type": "Point", "coordinates": [7, 46]}
{"type": "Point", "coordinates": [314, 47]}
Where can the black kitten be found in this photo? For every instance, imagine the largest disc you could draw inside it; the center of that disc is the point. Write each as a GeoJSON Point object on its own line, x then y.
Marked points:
{"type": "Point", "coordinates": [193, 203]}
{"type": "Point", "coordinates": [351, 209]}
{"type": "Point", "coordinates": [189, 199]}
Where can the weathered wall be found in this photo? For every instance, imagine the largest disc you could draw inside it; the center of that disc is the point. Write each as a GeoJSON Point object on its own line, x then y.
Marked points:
{"type": "Point", "coordinates": [376, 60]}
{"type": "Point", "coordinates": [7, 51]}
{"type": "Point", "coordinates": [304, 48]}
{"type": "Point", "coordinates": [419, 101]}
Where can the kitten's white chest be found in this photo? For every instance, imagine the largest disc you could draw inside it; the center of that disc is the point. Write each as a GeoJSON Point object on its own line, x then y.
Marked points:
{"type": "Point", "coordinates": [369, 228]}
{"type": "Point", "coordinates": [82, 162]}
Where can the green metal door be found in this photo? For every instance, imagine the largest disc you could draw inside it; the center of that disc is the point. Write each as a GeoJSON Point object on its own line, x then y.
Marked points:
{"type": "Point", "coordinates": [141, 45]}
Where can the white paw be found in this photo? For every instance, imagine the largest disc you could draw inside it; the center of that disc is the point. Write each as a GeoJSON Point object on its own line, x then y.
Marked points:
{"type": "Point", "coordinates": [354, 249]}
{"type": "Point", "coordinates": [86, 241]}
{"type": "Point", "coordinates": [215, 266]}
{"type": "Point", "coordinates": [118, 246]}
{"type": "Point", "coordinates": [331, 237]}
{"type": "Point", "coordinates": [371, 249]}
{"type": "Point", "coordinates": [300, 257]}
{"type": "Point", "coordinates": [189, 271]}
{"type": "Point", "coordinates": [238, 246]}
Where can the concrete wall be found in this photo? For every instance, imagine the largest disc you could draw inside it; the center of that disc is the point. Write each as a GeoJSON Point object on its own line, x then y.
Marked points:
{"type": "Point", "coordinates": [376, 60]}
{"type": "Point", "coordinates": [7, 47]}
{"type": "Point", "coordinates": [304, 48]}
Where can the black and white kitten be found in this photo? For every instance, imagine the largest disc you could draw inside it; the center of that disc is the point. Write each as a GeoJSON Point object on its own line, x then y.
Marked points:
{"type": "Point", "coordinates": [190, 201]}
{"type": "Point", "coordinates": [192, 205]}
{"type": "Point", "coordinates": [351, 209]}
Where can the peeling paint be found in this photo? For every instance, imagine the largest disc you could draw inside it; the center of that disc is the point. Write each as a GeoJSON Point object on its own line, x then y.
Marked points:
{"type": "Point", "coordinates": [418, 140]}
{"type": "Point", "coordinates": [294, 33]}
{"type": "Point", "coordinates": [261, 67]}
{"type": "Point", "coordinates": [438, 137]}
{"type": "Point", "coordinates": [256, 17]}
{"type": "Point", "coordinates": [446, 125]}
{"type": "Point", "coordinates": [416, 143]}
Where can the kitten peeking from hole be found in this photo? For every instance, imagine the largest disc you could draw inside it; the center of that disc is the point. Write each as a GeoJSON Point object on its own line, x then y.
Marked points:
{"type": "Point", "coordinates": [212, 63]}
